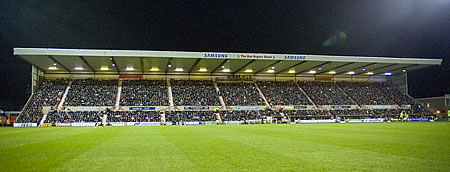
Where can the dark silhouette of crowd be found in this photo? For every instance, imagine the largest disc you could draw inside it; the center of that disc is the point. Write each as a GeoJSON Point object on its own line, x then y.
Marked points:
{"type": "Point", "coordinates": [133, 116]}
{"type": "Point", "coordinates": [241, 115]}
{"type": "Point", "coordinates": [365, 93]}
{"type": "Point", "coordinates": [144, 93]}
{"type": "Point", "coordinates": [70, 117]}
{"type": "Point", "coordinates": [92, 92]}
{"type": "Point", "coordinates": [240, 94]}
{"type": "Point", "coordinates": [190, 116]}
{"type": "Point", "coordinates": [308, 114]}
{"type": "Point", "coordinates": [49, 93]}
{"type": "Point", "coordinates": [194, 93]}
{"type": "Point", "coordinates": [325, 93]}
{"type": "Point", "coordinates": [283, 93]}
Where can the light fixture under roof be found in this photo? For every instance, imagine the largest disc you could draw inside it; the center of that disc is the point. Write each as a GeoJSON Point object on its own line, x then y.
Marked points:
{"type": "Point", "coordinates": [113, 64]}
{"type": "Point", "coordinates": [363, 69]}
{"type": "Point", "coordinates": [154, 69]}
{"type": "Point", "coordinates": [169, 65]}
{"type": "Point", "coordinates": [270, 71]}
{"type": "Point", "coordinates": [78, 68]}
{"type": "Point", "coordinates": [179, 69]}
{"type": "Point", "coordinates": [54, 63]}
{"type": "Point", "coordinates": [369, 73]}
{"type": "Point", "coordinates": [130, 68]}
{"type": "Point", "coordinates": [248, 70]}
{"type": "Point", "coordinates": [104, 68]}
{"type": "Point", "coordinates": [404, 70]}
{"type": "Point", "coordinates": [223, 66]}
{"type": "Point", "coordinates": [273, 67]}
{"type": "Point", "coordinates": [332, 72]}
{"type": "Point", "coordinates": [388, 73]}
{"type": "Point", "coordinates": [351, 73]}
{"type": "Point", "coordinates": [312, 71]}
{"type": "Point", "coordinates": [291, 71]}
{"type": "Point", "coordinates": [203, 69]}
{"type": "Point", "coordinates": [226, 70]}
{"type": "Point", "coordinates": [52, 68]}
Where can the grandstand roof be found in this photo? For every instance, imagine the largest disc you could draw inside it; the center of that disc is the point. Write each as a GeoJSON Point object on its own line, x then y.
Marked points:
{"type": "Point", "coordinates": [53, 60]}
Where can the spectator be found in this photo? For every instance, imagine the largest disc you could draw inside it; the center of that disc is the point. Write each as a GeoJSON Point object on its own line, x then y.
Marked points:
{"type": "Point", "coordinates": [283, 93]}
{"type": "Point", "coordinates": [190, 116]}
{"type": "Point", "coordinates": [194, 93]}
{"type": "Point", "coordinates": [92, 92]}
{"type": "Point", "coordinates": [144, 93]}
{"type": "Point", "coordinates": [49, 93]}
{"type": "Point", "coordinates": [325, 93]}
{"type": "Point", "coordinates": [240, 94]}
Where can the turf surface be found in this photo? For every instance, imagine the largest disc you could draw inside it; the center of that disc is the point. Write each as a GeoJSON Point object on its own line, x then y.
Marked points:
{"type": "Point", "coordinates": [309, 147]}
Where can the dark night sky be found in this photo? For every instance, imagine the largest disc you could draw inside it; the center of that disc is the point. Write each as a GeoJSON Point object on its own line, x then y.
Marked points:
{"type": "Point", "coordinates": [373, 28]}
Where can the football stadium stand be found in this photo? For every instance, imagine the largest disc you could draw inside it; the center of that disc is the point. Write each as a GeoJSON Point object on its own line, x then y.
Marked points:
{"type": "Point", "coordinates": [144, 93]}
{"type": "Point", "coordinates": [161, 87]}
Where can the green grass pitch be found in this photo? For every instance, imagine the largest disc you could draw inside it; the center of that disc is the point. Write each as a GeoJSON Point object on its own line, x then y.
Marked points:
{"type": "Point", "coordinates": [420, 146]}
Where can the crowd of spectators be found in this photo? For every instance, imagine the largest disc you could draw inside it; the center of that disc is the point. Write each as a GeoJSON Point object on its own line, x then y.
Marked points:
{"type": "Point", "coordinates": [133, 116]}
{"type": "Point", "coordinates": [190, 116]}
{"type": "Point", "coordinates": [365, 93]}
{"type": "Point", "coordinates": [194, 93]}
{"type": "Point", "coordinates": [241, 115]}
{"type": "Point", "coordinates": [325, 93]}
{"type": "Point", "coordinates": [92, 92]}
{"type": "Point", "coordinates": [403, 99]}
{"type": "Point", "coordinates": [307, 114]}
{"type": "Point", "coordinates": [69, 117]}
{"type": "Point", "coordinates": [48, 94]}
{"type": "Point", "coordinates": [144, 93]}
{"type": "Point", "coordinates": [352, 112]}
{"type": "Point", "coordinates": [240, 94]}
{"type": "Point", "coordinates": [283, 93]}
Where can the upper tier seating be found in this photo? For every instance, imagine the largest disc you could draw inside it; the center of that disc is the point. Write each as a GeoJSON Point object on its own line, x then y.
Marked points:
{"type": "Point", "coordinates": [325, 93]}
{"type": "Point", "coordinates": [48, 94]}
{"type": "Point", "coordinates": [92, 92]}
{"type": "Point", "coordinates": [144, 93]}
{"type": "Point", "coordinates": [240, 94]}
{"type": "Point", "coordinates": [283, 93]}
{"type": "Point", "coordinates": [194, 93]}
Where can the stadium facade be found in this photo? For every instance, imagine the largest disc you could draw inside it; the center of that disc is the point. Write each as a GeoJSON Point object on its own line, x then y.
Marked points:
{"type": "Point", "coordinates": [163, 83]}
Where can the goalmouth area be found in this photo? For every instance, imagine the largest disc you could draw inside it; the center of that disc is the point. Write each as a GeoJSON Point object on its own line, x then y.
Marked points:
{"type": "Point", "coordinates": [398, 146]}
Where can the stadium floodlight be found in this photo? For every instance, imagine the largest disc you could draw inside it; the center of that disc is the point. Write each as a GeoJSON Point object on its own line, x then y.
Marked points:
{"type": "Point", "coordinates": [179, 69]}
{"type": "Point", "coordinates": [273, 67]}
{"type": "Point", "coordinates": [226, 70]}
{"type": "Point", "coordinates": [312, 71]}
{"type": "Point", "coordinates": [52, 68]}
{"type": "Point", "coordinates": [78, 68]}
{"type": "Point", "coordinates": [363, 69]}
{"type": "Point", "coordinates": [54, 63]}
{"type": "Point", "coordinates": [203, 69]}
{"type": "Point", "coordinates": [248, 70]}
{"type": "Point", "coordinates": [223, 66]}
{"type": "Point", "coordinates": [332, 72]}
{"type": "Point", "coordinates": [154, 69]}
{"type": "Point", "coordinates": [369, 73]}
{"type": "Point", "coordinates": [271, 71]}
{"type": "Point", "coordinates": [351, 73]}
{"type": "Point", "coordinates": [292, 71]}
{"type": "Point", "coordinates": [113, 64]}
{"type": "Point", "coordinates": [129, 68]}
{"type": "Point", "coordinates": [404, 70]}
{"type": "Point", "coordinates": [104, 68]}
{"type": "Point", "coordinates": [388, 73]}
{"type": "Point", "coordinates": [169, 65]}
